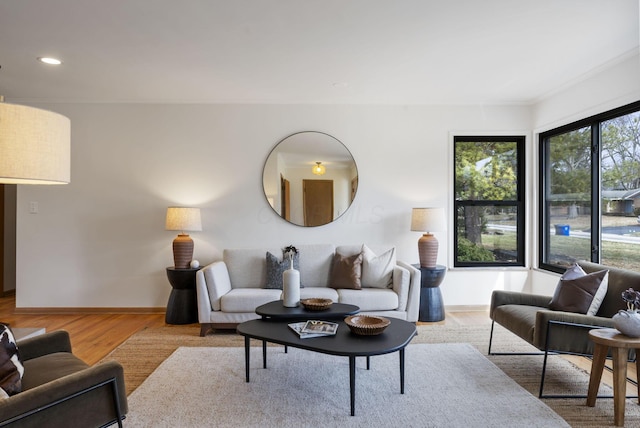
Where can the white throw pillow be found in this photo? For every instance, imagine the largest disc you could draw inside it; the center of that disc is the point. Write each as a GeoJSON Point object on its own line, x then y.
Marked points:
{"type": "Point", "coordinates": [377, 271]}
{"type": "Point", "coordinates": [599, 296]}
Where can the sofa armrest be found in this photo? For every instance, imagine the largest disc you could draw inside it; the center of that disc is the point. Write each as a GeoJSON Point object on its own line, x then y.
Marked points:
{"type": "Point", "coordinates": [501, 297]}
{"type": "Point", "coordinates": [569, 332]}
{"type": "Point", "coordinates": [44, 344]}
{"type": "Point", "coordinates": [212, 282]}
{"type": "Point", "coordinates": [413, 297]}
{"type": "Point", "coordinates": [65, 400]}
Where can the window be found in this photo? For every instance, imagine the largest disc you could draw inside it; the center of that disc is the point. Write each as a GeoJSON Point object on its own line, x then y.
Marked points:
{"type": "Point", "coordinates": [489, 201]}
{"type": "Point", "coordinates": [590, 191]}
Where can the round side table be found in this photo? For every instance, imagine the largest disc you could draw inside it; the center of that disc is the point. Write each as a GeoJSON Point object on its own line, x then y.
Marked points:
{"type": "Point", "coordinates": [431, 304]}
{"type": "Point", "coordinates": [605, 338]}
{"type": "Point", "coordinates": [182, 307]}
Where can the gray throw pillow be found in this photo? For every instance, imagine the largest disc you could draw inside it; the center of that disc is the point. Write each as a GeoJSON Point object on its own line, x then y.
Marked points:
{"type": "Point", "coordinates": [275, 269]}
{"type": "Point", "coordinates": [11, 368]}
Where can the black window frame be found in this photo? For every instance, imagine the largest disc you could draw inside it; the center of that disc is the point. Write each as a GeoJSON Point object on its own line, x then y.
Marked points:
{"type": "Point", "coordinates": [519, 203]}
{"type": "Point", "coordinates": [594, 123]}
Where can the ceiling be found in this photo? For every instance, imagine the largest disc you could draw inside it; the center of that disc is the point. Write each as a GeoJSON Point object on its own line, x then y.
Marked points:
{"type": "Point", "coordinates": [308, 51]}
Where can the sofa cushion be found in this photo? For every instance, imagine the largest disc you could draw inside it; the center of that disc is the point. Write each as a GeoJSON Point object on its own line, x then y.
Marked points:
{"type": "Point", "coordinates": [247, 299]}
{"type": "Point", "coordinates": [371, 299]}
{"type": "Point", "coordinates": [247, 267]}
{"type": "Point", "coordinates": [315, 264]}
{"type": "Point", "coordinates": [319, 293]}
{"type": "Point", "coordinates": [346, 271]}
{"type": "Point", "coordinates": [11, 368]}
{"type": "Point", "coordinates": [276, 268]}
{"type": "Point", "coordinates": [576, 295]}
{"type": "Point", "coordinates": [44, 369]}
{"type": "Point", "coordinates": [377, 270]}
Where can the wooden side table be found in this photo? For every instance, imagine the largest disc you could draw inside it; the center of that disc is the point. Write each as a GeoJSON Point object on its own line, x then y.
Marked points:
{"type": "Point", "coordinates": [620, 344]}
{"type": "Point", "coordinates": [431, 304]}
{"type": "Point", "coordinates": [182, 307]}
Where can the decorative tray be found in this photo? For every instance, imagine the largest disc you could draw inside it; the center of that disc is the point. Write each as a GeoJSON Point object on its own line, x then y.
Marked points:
{"type": "Point", "coordinates": [367, 325]}
{"type": "Point", "coordinates": [316, 304]}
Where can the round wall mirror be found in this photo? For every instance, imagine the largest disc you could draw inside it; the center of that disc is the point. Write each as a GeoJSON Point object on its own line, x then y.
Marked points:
{"type": "Point", "coordinates": [310, 178]}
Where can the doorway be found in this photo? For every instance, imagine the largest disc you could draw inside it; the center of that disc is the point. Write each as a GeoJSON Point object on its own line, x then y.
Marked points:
{"type": "Point", "coordinates": [317, 202]}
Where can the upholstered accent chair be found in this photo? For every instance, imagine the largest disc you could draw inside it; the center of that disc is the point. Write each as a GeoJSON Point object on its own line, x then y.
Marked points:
{"type": "Point", "coordinates": [557, 332]}
{"type": "Point", "coordinates": [60, 390]}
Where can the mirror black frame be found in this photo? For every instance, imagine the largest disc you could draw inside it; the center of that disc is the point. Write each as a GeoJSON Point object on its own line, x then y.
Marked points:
{"type": "Point", "coordinates": [292, 159]}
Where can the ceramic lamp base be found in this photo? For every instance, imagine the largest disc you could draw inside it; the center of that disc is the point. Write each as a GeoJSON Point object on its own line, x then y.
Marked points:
{"type": "Point", "coordinates": [428, 250]}
{"type": "Point", "coordinates": [182, 251]}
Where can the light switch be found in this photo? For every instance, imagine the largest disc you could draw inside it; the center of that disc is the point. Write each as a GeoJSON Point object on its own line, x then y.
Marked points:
{"type": "Point", "coordinates": [33, 207]}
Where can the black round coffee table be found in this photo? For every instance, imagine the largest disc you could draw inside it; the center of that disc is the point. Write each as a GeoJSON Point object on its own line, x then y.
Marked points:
{"type": "Point", "coordinates": [344, 343]}
{"type": "Point", "coordinates": [276, 311]}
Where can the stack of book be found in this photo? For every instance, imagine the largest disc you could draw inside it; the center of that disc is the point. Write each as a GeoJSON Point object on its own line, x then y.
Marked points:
{"type": "Point", "coordinates": [312, 328]}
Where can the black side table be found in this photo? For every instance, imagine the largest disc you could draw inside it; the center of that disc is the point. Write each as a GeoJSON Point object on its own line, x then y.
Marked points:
{"type": "Point", "coordinates": [182, 307]}
{"type": "Point", "coordinates": [431, 304]}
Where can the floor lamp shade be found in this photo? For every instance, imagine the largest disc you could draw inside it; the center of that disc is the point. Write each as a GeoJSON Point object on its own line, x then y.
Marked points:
{"type": "Point", "coordinates": [35, 146]}
{"type": "Point", "coordinates": [183, 219]}
{"type": "Point", "coordinates": [428, 220]}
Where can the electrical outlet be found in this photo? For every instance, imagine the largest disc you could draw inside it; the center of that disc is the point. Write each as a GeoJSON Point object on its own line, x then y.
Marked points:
{"type": "Point", "coordinates": [33, 208]}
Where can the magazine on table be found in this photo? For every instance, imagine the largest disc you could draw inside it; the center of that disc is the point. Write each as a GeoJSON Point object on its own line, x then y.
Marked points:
{"type": "Point", "coordinates": [319, 330]}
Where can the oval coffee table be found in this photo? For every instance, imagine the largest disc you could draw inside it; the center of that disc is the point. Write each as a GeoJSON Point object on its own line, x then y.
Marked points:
{"type": "Point", "coordinates": [276, 311]}
{"type": "Point", "coordinates": [344, 343]}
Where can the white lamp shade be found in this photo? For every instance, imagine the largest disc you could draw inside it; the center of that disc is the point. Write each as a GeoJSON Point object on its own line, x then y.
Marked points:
{"type": "Point", "coordinates": [35, 146]}
{"type": "Point", "coordinates": [183, 219]}
{"type": "Point", "coordinates": [428, 220]}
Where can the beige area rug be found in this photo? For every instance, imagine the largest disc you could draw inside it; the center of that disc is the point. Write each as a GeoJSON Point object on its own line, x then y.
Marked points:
{"type": "Point", "coordinates": [146, 350]}
{"type": "Point", "coordinates": [447, 385]}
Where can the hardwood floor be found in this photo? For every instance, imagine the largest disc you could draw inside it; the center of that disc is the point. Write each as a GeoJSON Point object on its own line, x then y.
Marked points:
{"type": "Point", "coordinates": [94, 336]}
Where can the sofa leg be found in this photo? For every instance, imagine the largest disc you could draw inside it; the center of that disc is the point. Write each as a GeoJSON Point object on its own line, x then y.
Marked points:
{"type": "Point", "coordinates": [204, 328]}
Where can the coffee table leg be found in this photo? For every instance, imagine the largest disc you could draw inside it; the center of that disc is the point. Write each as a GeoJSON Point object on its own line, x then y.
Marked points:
{"type": "Point", "coordinates": [352, 383]}
{"type": "Point", "coordinates": [246, 356]}
{"type": "Point", "coordinates": [402, 371]}
{"type": "Point", "coordinates": [368, 362]}
{"type": "Point", "coordinates": [264, 354]}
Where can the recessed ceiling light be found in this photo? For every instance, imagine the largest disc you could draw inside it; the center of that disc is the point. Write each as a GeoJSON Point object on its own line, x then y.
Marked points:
{"type": "Point", "coordinates": [50, 61]}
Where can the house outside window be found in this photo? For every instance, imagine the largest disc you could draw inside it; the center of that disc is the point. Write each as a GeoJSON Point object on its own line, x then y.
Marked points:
{"type": "Point", "coordinates": [489, 201]}
{"type": "Point", "coordinates": [590, 191]}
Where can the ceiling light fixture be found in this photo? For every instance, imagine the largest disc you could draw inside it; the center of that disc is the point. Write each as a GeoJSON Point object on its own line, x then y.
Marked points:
{"type": "Point", "coordinates": [49, 60]}
{"type": "Point", "coordinates": [318, 169]}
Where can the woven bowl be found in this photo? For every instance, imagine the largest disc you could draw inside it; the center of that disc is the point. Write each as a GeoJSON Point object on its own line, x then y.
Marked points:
{"type": "Point", "coordinates": [316, 304]}
{"type": "Point", "coordinates": [367, 325]}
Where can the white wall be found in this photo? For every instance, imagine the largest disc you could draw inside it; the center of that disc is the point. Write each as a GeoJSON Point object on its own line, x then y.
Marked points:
{"type": "Point", "coordinates": [100, 241]}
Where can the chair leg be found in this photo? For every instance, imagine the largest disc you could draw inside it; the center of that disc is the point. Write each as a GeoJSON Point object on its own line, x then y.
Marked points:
{"type": "Point", "coordinates": [490, 338]}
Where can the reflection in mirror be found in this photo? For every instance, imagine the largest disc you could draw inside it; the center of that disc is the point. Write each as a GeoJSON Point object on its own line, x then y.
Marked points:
{"type": "Point", "coordinates": [310, 178]}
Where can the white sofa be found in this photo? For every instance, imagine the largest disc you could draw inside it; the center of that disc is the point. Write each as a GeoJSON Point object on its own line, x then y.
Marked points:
{"type": "Point", "coordinates": [229, 290]}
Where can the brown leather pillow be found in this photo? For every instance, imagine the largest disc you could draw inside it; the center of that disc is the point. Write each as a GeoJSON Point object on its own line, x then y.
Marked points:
{"type": "Point", "coordinates": [576, 295]}
{"type": "Point", "coordinates": [346, 272]}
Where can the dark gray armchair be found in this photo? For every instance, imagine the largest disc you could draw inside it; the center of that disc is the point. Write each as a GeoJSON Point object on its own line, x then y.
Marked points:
{"type": "Point", "coordinates": [60, 390]}
{"type": "Point", "coordinates": [529, 316]}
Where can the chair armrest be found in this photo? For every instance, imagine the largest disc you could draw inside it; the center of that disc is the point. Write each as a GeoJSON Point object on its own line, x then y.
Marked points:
{"type": "Point", "coordinates": [568, 331]}
{"type": "Point", "coordinates": [501, 297]}
{"type": "Point", "coordinates": [413, 298]}
{"type": "Point", "coordinates": [44, 344]}
{"type": "Point", "coordinates": [100, 388]}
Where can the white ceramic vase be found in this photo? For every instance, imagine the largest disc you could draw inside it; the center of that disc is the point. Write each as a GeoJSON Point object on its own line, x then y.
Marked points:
{"type": "Point", "coordinates": [291, 287]}
{"type": "Point", "coordinates": [627, 323]}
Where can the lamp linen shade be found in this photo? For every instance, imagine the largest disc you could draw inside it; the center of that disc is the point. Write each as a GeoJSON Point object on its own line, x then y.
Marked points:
{"type": "Point", "coordinates": [428, 220]}
{"type": "Point", "coordinates": [35, 146]}
{"type": "Point", "coordinates": [183, 219]}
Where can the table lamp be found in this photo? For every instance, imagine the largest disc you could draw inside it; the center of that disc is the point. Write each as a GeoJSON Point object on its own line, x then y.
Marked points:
{"type": "Point", "coordinates": [183, 219]}
{"type": "Point", "coordinates": [428, 220]}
